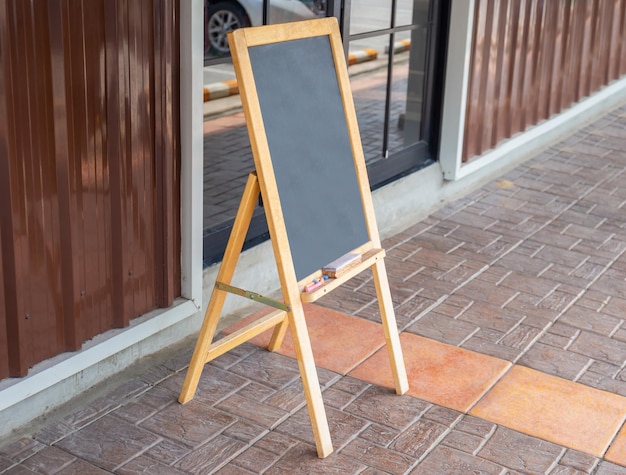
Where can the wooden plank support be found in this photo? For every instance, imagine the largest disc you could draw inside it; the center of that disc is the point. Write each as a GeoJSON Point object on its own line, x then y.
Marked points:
{"type": "Point", "coordinates": [246, 333]}
{"type": "Point", "coordinates": [252, 296]}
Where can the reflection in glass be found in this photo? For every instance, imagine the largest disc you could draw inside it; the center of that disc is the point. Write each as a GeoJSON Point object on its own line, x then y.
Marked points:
{"type": "Point", "coordinates": [413, 75]}
{"type": "Point", "coordinates": [406, 88]}
{"type": "Point", "coordinates": [369, 15]}
{"type": "Point", "coordinates": [224, 16]}
{"type": "Point", "coordinates": [227, 153]}
{"type": "Point", "coordinates": [389, 108]}
{"type": "Point", "coordinates": [404, 11]}
{"type": "Point", "coordinates": [368, 82]}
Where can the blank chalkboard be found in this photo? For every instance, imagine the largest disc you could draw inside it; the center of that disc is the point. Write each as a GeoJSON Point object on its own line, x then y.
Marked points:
{"type": "Point", "coordinates": [309, 143]}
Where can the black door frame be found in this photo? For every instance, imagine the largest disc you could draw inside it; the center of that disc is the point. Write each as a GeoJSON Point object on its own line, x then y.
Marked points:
{"type": "Point", "coordinates": [396, 165]}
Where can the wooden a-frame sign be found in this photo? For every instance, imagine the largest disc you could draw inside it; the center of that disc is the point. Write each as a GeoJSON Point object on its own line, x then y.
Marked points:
{"type": "Point", "coordinates": [312, 178]}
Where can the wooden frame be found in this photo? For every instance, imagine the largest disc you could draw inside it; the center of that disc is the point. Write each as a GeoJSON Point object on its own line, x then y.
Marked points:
{"type": "Point", "coordinates": [290, 312]}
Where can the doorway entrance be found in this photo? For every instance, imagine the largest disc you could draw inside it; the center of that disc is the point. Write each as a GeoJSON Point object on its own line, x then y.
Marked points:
{"type": "Point", "coordinates": [396, 51]}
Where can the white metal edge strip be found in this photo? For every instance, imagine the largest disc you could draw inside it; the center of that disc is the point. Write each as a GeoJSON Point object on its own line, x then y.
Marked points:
{"type": "Point", "coordinates": [192, 161]}
{"type": "Point", "coordinates": [546, 132]}
{"type": "Point", "coordinates": [84, 359]}
{"type": "Point", "coordinates": [456, 85]}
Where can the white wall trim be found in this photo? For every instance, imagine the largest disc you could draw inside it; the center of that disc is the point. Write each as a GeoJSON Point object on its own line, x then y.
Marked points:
{"type": "Point", "coordinates": [456, 85]}
{"type": "Point", "coordinates": [546, 132]}
{"type": "Point", "coordinates": [191, 140]}
{"type": "Point", "coordinates": [523, 143]}
{"type": "Point", "coordinates": [105, 347]}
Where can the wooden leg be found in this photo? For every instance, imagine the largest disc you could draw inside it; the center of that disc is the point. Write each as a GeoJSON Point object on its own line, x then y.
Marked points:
{"type": "Point", "coordinates": [199, 357]}
{"type": "Point", "coordinates": [224, 275]}
{"type": "Point", "coordinates": [310, 381]}
{"type": "Point", "coordinates": [390, 327]}
{"type": "Point", "coordinates": [278, 335]}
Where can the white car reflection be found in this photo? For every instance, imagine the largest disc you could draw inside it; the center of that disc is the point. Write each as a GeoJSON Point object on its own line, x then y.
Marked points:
{"type": "Point", "coordinates": [224, 16]}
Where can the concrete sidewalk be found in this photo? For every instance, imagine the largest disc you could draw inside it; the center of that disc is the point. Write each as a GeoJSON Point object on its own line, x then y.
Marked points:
{"type": "Point", "coordinates": [511, 303]}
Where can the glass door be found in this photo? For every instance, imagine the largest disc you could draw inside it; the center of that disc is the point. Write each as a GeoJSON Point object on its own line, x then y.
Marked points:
{"type": "Point", "coordinates": [395, 50]}
{"type": "Point", "coordinates": [398, 94]}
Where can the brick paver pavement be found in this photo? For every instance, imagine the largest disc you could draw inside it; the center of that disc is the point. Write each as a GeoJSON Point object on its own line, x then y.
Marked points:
{"type": "Point", "coordinates": [530, 271]}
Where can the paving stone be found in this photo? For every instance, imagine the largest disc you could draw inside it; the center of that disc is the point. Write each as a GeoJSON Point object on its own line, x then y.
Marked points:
{"type": "Point", "coordinates": [232, 469]}
{"type": "Point", "coordinates": [381, 405]}
{"type": "Point", "coordinates": [144, 465]}
{"type": "Point", "coordinates": [586, 319]}
{"type": "Point", "coordinates": [486, 292]}
{"type": "Point", "coordinates": [245, 431]}
{"type": "Point", "coordinates": [108, 442]}
{"type": "Point", "coordinates": [463, 273]}
{"type": "Point", "coordinates": [167, 451]}
{"type": "Point", "coordinates": [81, 467]}
{"type": "Point", "coordinates": [255, 411]}
{"type": "Point", "coordinates": [268, 368]}
{"type": "Point", "coordinates": [351, 385]}
{"type": "Point", "coordinates": [518, 262]}
{"type": "Point", "coordinates": [442, 328]}
{"type": "Point", "coordinates": [475, 426]}
{"type": "Point", "coordinates": [257, 391]}
{"type": "Point", "coordinates": [554, 409]}
{"type": "Point", "coordinates": [302, 460]}
{"type": "Point", "coordinates": [379, 434]}
{"type": "Point", "coordinates": [49, 460]}
{"type": "Point", "coordinates": [529, 284]}
{"type": "Point", "coordinates": [443, 415]}
{"type": "Point", "coordinates": [448, 460]}
{"type": "Point", "coordinates": [5, 463]}
{"type": "Point", "coordinates": [554, 361]}
{"type": "Point", "coordinates": [389, 461]}
{"type": "Point", "coordinates": [255, 460]}
{"type": "Point", "coordinates": [461, 441]}
{"type": "Point", "coordinates": [600, 348]}
{"type": "Point", "coordinates": [21, 449]}
{"type": "Point", "coordinates": [209, 457]}
{"type": "Point", "coordinates": [607, 468]}
{"type": "Point", "coordinates": [579, 461]}
{"type": "Point", "coordinates": [337, 398]}
{"type": "Point", "coordinates": [191, 424]}
{"type": "Point", "coordinates": [600, 381]}
{"type": "Point", "coordinates": [134, 412]}
{"type": "Point", "coordinates": [520, 452]}
{"type": "Point", "coordinates": [616, 307]}
{"type": "Point", "coordinates": [419, 438]}
{"type": "Point", "coordinates": [276, 443]}
{"type": "Point", "coordinates": [555, 341]}
{"type": "Point", "coordinates": [480, 345]}
{"type": "Point", "coordinates": [520, 337]}
{"type": "Point", "coordinates": [343, 426]}
{"type": "Point", "coordinates": [214, 385]}
{"type": "Point", "coordinates": [160, 396]}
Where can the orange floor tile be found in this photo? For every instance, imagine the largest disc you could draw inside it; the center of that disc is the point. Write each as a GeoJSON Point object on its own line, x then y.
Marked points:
{"type": "Point", "coordinates": [554, 409]}
{"type": "Point", "coordinates": [339, 341]}
{"type": "Point", "coordinates": [438, 373]}
{"type": "Point", "coordinates": [617, 450]}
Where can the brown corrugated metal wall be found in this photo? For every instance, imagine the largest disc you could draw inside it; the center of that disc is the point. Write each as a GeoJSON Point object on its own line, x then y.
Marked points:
{"type": "Point", "coordinates": [89, 170]}
{"type": "Point", "coordinates": [535, 58]}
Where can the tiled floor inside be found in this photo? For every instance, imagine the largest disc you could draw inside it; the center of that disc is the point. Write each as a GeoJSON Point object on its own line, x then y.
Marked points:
{"type": "Point", "coordinates": [511, 303]}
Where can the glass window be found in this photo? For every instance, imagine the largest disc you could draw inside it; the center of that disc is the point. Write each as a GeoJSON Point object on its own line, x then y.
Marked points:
{"type": "Point", "coordinates": [369, 15]}
{"type": "Point", "coordinates": [390, 63]}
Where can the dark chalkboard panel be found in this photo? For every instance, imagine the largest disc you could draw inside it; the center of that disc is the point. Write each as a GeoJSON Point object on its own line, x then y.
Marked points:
{"type": "Point", "coordinates": [309, 144]}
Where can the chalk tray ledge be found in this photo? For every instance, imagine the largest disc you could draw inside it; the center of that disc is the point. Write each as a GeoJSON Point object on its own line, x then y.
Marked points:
{"type": "Point", "coordinates": [368, 259]}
